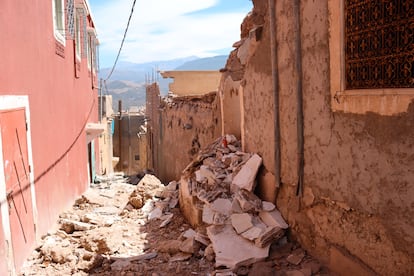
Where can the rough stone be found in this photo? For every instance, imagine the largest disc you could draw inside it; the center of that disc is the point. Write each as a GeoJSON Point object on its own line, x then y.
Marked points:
{"type": "Point", "coordinates": [248, 201]}
{"type": "Point", "coordinates": [245, 178]}
{"type": "Point", "coordinates": [77, 225]}
{"type": "Point", "coordinates": [166, 219]}
{"type": "Point", "coordinates": [232, 250]}
{"type": "Point", "coordinates": [171, 246]}
{"type": "Point", "coordinates": [189, 245]}
{"type": "Point", "coordinates": [120, 265]}
{"type": "Point", "coordinates": [156, 213]}
{"type": "Point", "coordinates": [209, 253]}
{"type": "Point", "coordinates": [189, 233]}
{"type": "Point", "coordinates": [222, 206]}
{"type": "Point", "coordinates": [273, 218]}
{"type": "Point", "coordinates": [208, 215]}
{"type": "Point", "coordinates": [296, 257]}
{"type": "Point", "coordinates": [268, 206]}
{"type": "Point", "coordinates": [241, 222]}
{"type": "Point", "coordinates": [253, 233]}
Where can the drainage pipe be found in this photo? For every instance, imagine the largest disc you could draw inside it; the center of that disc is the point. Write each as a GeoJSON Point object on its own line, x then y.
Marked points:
{"type": "Point", "coordinates": [275, 78]}
{"type": "Point", "coordinates": [299, 96]}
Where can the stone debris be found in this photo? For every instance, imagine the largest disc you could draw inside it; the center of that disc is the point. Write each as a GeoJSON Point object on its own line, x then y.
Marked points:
{"type": "Point", "coordinates": [122, 229]}
{"type": "Point", "coordinates": [245, 178]}
{"type": "Point", "coordinates": [232, 250]}
{"type": "Point", "coordinates": [217, 193]}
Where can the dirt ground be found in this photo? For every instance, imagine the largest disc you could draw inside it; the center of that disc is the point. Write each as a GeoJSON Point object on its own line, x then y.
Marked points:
{"type": "Point", "coordinates": [101, 235]}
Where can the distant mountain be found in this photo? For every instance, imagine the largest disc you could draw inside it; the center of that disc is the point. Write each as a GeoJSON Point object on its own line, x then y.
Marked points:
{"type": "Point", "coordinates": [210, 63]}
{"type": "Point", "coordinates": [127, 82]}
{"type": "Point", "coordinates": [137, 71]}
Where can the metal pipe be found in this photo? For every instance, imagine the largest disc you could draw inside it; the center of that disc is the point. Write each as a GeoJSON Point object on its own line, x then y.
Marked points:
{"type": "Point", "coordinates": [120, 166]}
{"type": "Point", "coordinates": [299, 96]}
{"type": "Point", "coordinates": [275, 77]}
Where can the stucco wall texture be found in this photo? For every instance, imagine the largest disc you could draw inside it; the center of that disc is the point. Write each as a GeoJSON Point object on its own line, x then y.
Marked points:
{"type": "Point", "coordinates": [187, 125]}
{"type": "Point", "coordinates": [358, 203]}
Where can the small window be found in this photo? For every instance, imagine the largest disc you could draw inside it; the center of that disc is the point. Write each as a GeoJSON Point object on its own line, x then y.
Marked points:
{"type": "Point", "coordinates": [379, 44]}
{"type": "Point", "coordinates": [88, 50]}
{"type": "Point", "coordinates": [58, 8]}
{"type": "Point", "coordinates": [78, 44]}
{"type": "Point", "coordinates": [371, 55]}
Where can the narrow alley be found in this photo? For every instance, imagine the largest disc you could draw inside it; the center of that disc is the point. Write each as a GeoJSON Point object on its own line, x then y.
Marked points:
{"type": "Point", "coordinates": [216, 137]}
{"type": "Point", "coordinates": [116, 228]}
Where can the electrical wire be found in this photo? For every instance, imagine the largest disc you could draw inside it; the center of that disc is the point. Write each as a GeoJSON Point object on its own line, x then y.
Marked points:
{"type": "Point", "coordinates": [123, 40]}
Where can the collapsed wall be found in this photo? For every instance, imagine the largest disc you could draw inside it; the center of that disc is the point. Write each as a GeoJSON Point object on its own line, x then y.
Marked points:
{"type": "Point", "coordinates": [356, 209]}
{"type": "Point", "coordinates": [178, 127]}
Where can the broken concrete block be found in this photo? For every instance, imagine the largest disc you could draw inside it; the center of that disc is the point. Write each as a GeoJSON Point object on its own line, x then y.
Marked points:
{"type": "Point", "coordinates": [241, 222]}
{"type": "Point", "coordinates": [269, 235]}
{"type": "Point", "coordinates": [235, 207]}
{"type": "Point", "coordinates": [166, 219]}
{"type": "Point", "coordinates": [172, 186]}
{"type": "Point", "coordinates": [171, 246]}
{"type": "Point", "coordinates": [56, 252]}
{"type": "Point", "coordinates": [189, 233]}
{"type": "Point", "coordinates": [77, 225]}
{"type": "Point", "coordinates": [205, 173]}
{"type": "Point", "coordinates": [273, 218]}
{"type": "Point", "coordinates": [248, 201]}
{"type": "Point", "coordinates": [268, 206]}
{"type": "Point", "coordinates": [156, 213]}
{"type": "Point", "coordinates": [231, 249]}
{"type": "Point", "coordinates": [245, 178]}
{"type": "Point", "coordinates": [222, 206]}
{"type": "Point", "coordinates": [173, 203]}
{"type": "Point", "coordinates": [219, 219]}
{"type": "Point", "coordinates": [253, 233]}
{"type": "Point", "coordinates": [202, 239]}
{"type": "Point", "coordinates": [189, 246]}
{"type": "Point", "coordinates": [187, 203]}
{"type": "Point", "coordinates": [208, 215]}
{"type": "Point", "coordinates": [209, 253]}
{"type": "Point", "coordinates": [296, 257]}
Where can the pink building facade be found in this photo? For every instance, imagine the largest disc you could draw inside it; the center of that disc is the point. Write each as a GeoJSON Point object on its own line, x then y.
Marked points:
{"type": "Point", "coordinates": [48, 116]}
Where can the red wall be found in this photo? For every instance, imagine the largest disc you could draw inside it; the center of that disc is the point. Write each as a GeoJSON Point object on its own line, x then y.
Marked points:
{"type": "Point", "coordinates": [60, 104]}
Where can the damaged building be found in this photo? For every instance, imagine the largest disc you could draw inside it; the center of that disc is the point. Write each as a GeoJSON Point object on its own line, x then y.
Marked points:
{"type": "Point", "coordinates": [327, 104]}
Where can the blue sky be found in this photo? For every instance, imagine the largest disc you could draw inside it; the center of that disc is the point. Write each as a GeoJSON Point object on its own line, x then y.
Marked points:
{"type": "Point", "coordinates": [167, 29]}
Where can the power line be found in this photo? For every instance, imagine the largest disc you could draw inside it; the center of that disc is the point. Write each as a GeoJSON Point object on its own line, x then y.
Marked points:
{"type": "Point", "coordinates": [122, 43]}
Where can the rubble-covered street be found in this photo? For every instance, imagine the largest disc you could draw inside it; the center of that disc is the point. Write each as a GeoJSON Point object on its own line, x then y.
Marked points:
{"type": "Point", "coordinates": [117, 228]}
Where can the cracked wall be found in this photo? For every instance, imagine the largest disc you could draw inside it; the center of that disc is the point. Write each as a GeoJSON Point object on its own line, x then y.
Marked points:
{"type": "Point", "coordinates": [357, 208]}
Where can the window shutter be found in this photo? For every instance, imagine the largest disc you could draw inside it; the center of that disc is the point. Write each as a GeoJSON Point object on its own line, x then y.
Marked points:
{"type": "Point", "coordinates": [70, 18]}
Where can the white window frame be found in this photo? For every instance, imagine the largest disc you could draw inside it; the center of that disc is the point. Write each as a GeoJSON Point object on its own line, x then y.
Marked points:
{"type": "Point", "coordinates": [59, 31]}
{"type": "Point", "coordinates": [78, 44]}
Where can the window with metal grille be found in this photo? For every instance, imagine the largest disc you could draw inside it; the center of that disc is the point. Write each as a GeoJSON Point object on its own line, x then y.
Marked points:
{"type": "Point", "coordinates": [70, 19]}
{"type": "Point", "coordinates": [379, 44]}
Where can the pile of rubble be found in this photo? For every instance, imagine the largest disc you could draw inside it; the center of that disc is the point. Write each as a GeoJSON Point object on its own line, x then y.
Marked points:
{"type": "Point", "coordinates": [216, 195]}
{"type": "Point", "coordinates": [120, 229]}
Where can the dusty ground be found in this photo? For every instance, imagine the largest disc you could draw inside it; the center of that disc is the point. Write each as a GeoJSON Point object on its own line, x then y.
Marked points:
{"type": "Point", "coordinates": [98, 236]}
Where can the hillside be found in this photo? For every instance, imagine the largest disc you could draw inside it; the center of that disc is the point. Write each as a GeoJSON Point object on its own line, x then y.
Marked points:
{"type": "Point", "coordinates": [127, 82]}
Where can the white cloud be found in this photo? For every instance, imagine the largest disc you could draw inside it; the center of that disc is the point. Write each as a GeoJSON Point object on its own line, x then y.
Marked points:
{"type": "Point", "coordinates": [163, 33]}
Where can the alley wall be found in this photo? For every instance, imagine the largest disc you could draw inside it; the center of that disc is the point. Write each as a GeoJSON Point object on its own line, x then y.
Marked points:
{"type": "Point", "coordinates": [356, 209]}
{"type": "Point", "coordinates": [179, 128]}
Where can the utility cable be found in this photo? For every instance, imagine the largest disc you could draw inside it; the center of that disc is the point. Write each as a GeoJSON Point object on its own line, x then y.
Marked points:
{"type": "Point", "coordinates": [123, 40]}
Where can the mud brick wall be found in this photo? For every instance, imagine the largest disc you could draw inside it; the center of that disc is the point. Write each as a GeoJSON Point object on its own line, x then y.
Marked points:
{"type": "Point", "coordinates": [186, 124]}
